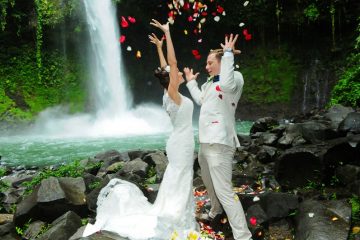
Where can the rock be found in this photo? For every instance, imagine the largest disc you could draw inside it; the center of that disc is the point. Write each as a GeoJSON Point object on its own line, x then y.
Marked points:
{"type": "Point", "coordinates": [263, 124]}
{"type": "Point", "coordinates": [299, 165]}
{"type": "Point", "coordinates": [138, 154]}
{"type": "Point", "coordinates": [5, 218]}
{"type": "Point", "coordinates": [110, 156]}
{"type": "Point", "coordinates": [328, 220]}
{"type": "Point", "coordinates": [10, 236]}
{"type": "Point", "coordinates": [355, 187]}
{"type": "Point", "coordinates": [280, 230]}
{"type": "Point", "coordinates": [336, 114]}
{"type": "Point", "coordinates": [34, 229]}
{"type": "Point", "coordinates": [78, 234]}
{"type": "Point", "coordinates": [258, 213]}
{"type": "Point", "coordinates": [74, 189]}
{"type": "Point", "coordinates": [90, 179]}
{"type": "Point", "coordinates": [51, 199]}
{"type": "Point", "coordinates": [15, 179]}
{"type": "Point", "coordinates": [291, 136]}
{"type": "Point", "coordinates": [104, 235]}
{"type": "Point", "coordinates": [63, 227]}
{"type": "Point", "coordinates": [13, 195]}
{"type": "Point", "coordinates": [348, 173]}
{"type": "Point", "coordinates": [91, 198]}
{"type": "Point", "coordinates": [136, 166]}
{"type": "Point", "coordinates": [351, 123]}
{"type": "Point", "coordinates": [338, 153]}
{"type": "Point", "coordinates": [267, 138]}
{"type": "Point", "coordinates": [152, 191]}
{"type": "Point", "coordinates": [114, 167]}
{"type": "Point", "coordinates": [266, 154]}
{"type": "Point", "coordinates": [353, 139]}
{"type": "Point", "coordinates": [245, 140]}
{"type": "Point", "coordinates": [317, 131]}
{"type": "Point", "coordinates": [159, 160]}
{"type": "Point", "coordinates": [278, 205]}
{"type": "Point", "coordinates": [6, 228]}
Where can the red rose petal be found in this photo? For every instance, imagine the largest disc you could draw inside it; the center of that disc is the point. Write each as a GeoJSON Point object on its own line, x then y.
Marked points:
{"type": "Point", "coordinates": [131, 19]}
{"type": "Point", "coordinates": [253, 221]}
{"type": "Point", "coordinates": [195, 52]}
{"type": "Point", "coordinates": [124, 23]}
{"type": "Point", "coordinates": [122, 39]}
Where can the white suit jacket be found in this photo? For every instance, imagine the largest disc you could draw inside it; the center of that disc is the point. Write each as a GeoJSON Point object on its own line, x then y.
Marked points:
{"type": "Point", "coordinates": [218, 102]}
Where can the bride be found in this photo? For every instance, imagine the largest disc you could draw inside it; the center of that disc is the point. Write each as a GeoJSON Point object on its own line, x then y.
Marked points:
{"type": "Point", "coordinates": [121, 207]}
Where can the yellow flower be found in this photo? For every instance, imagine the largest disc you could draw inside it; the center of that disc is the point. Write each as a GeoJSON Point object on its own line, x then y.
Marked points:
{"type": "Point", "coordinates": [174, 235]}
{"type": "Point", "coordinates": [193, 236]}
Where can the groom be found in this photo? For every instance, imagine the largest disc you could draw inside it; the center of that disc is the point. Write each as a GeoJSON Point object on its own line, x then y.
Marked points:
{"type": "Point", "coordinates": [218, 98]}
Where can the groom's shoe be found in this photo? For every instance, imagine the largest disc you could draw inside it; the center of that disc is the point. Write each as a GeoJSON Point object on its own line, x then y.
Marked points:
{"type": "Point", "coordinates": [206, 217]}
{"type": "Point", "coordinates": [220, 223]}
{"type": "Point", "coordinates": [203, 217]}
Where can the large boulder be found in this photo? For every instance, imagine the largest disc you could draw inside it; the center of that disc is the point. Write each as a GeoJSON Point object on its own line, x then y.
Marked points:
{"type": "Point", "coordinates": [159, 161]}
{"type": "Point", "coordinates": [278, 205]}
{"type": "Point", "coordinates": [323, 220]}
{"type": "Point", "coordinates": [336, 114]}
{"type": "Point", "coordinates": [351, 123]}
{"type": "Point", "coordinates": [51, 199]}
{"type": "Point", "coordinates": [263, 124]}
{"type": "Point", "coordinates": [63, 227]}
{"type": "Point", "coordinates": [299, 165]}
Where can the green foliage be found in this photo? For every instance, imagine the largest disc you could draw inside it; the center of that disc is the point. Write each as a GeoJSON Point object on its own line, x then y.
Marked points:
{"type": "Point", "coordinates": [22, 96]}
{"type": "Point", "coordinates": [94, 185]}
{"type": "Point", "coordinates": [21, 230]}
{"type": "Point", "coordinates": [84, 221]}
{"type": "Point", "coordinates": [151, 176]}
{"type": "Point", "coordinates": [269, 77]}
{"type": "Point", "coordinates": [44, 229]}
{"type": "Point", "coordinates": [355, 208]}
{"type": "Point", "coordinates": [311, 12]}
{"type": "Point", "coordinates": [39, 37]}
{"type": "Point", "coordinates": [2, 171]}
{"type": "Point", "coordinates": [4, 186]}
{"type": "Point", "coordinates": [347, 89]}
{"type": "Point", "coordinates": [69, 170]}
{"type": "Point", "coordinates": [54, 11]}
{"type": "Point", "coordinates": [4, 5]}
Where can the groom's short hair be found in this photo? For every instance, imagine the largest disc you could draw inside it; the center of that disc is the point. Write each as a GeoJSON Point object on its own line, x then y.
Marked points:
{"type": "Point", "coordinates": [218, 53]}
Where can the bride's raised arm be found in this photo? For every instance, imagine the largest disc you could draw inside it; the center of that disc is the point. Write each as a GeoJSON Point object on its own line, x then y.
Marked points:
{"type": "Point", "coordinates": [175, 76]}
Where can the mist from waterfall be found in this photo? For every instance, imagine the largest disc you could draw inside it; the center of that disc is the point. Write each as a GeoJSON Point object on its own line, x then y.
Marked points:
{"type": "Point", "coordinates": [112, 115]}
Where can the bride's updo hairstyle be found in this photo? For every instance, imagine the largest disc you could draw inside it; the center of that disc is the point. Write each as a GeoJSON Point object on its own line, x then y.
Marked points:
{"type": "Point", "coordinates": [163, 75]}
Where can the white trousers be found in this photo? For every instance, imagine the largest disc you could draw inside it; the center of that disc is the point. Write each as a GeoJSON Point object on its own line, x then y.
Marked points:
{"type": "Point", "coordinates": [216, 171]}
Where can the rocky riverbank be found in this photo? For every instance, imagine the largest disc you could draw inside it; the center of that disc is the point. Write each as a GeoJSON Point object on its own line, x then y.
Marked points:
{"type": "Point", "coordinates": [297, 179]}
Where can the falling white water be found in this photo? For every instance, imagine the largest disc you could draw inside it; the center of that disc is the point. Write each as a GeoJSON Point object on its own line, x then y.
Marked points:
{"type": "Point", "coordinates": [113, 115]}
{"type": "Point", "coordinates": [111, 91]}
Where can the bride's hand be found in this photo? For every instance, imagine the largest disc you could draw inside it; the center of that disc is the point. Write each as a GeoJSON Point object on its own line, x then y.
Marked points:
{"type": "Point", "coordinates": [154, 39]}
{"type": "Point", "coordinates": [164, 27]}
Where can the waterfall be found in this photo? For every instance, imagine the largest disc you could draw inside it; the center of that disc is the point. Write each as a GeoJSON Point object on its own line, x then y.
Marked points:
{"type": "Point", "coordinates": [113, 114]}
{"type": "Point", "coordinates": [315, 86]}
{"type": "Point", "coordinates": [110, 88]}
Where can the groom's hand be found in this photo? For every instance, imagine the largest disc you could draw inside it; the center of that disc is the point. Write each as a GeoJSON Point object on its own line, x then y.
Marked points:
{"type": "Point", "coordinates": [189, 74]}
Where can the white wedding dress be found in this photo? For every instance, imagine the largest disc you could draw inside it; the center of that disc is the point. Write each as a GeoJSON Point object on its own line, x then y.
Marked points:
{"type": "Point", "coordinates": [123, 209]}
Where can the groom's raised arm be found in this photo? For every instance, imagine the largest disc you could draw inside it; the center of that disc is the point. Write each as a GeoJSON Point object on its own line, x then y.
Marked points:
{"type": "Point", "coordinates": [192, 85]}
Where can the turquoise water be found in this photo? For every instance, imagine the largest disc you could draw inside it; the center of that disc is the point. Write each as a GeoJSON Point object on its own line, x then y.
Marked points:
{"type": "Point", "coordinates": [36, 151]}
